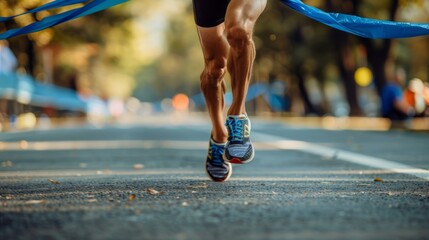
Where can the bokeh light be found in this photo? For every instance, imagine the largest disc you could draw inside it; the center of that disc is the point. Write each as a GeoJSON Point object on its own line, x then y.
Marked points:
{"type": "Point", "coordinates": [363, 76]}
{"type": "Point", "coordinates": [26, 121]}
{"type": "Point", "coordinates": [180, 102]}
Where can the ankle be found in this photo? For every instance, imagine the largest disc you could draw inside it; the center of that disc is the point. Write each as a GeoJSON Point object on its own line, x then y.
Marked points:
{"type": "Point", "coordinates": [219, 139]}
{"type": "Point", "coordinates": [236, 110]}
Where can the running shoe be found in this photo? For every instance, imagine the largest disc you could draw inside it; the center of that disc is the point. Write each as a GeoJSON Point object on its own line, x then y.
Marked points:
{"type": "Point", "coordinates": [217, 169]}
{"type": "Point", "coordinates": [239, 148]}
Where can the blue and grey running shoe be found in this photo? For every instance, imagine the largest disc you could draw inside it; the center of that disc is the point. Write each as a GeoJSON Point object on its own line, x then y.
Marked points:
{"type": "Point", "coordinates": [239, 148]}
{"type": "Point", "coordinates": [216, 168]}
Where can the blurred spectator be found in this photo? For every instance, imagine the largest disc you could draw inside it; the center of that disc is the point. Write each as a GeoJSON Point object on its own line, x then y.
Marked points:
{"type": "Point", "coordinates": [426, 93]}
{"type": "Point", "coordinates": [415, 96]}
{"type": "Point", "coordinates": [426, 97]}
{"type": "Point", "coordinates": [8, 64]}
{"type": "Point", "coordinates": [393, 104]}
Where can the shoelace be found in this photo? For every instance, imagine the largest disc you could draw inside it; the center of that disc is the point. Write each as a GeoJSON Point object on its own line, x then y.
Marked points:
{"type": "Point", "coordinates": [235, 127]}
{"type": "Point", "coordinates": [217, 152]}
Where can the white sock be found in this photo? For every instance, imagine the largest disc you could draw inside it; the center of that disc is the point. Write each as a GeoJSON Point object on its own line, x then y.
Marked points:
{"type": "Point", "coordinates": [216, 143]}
{"type": "Point", "coordinates": [238, 116]}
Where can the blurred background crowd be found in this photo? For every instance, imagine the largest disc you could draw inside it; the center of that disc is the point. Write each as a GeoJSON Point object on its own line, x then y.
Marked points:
{"type": "Point", "coordinates": [143, 58]}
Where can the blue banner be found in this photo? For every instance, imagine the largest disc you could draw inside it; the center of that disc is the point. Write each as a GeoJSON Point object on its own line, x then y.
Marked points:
{"type": "Point", "coordinates": [87, 9]}
{"type": "Point", "coordinates": [27, 90]}
{"type": "Point", "coordinates": [364, 27]}
{"type": "Point", "coordinates": [47, 6]}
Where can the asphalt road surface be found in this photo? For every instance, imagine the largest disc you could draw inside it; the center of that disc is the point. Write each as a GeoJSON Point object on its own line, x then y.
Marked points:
{"type": "Point", "coordinates": [147, 181]}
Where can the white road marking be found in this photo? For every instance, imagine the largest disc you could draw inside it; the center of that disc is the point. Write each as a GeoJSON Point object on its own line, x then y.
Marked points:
{"type": "Point", "coordinates": [84, 173]}
{"type": "Point", "coordinates": [361, 159]}
{"type": "Point", "coordinates": [263, 142]}
{"type": "Point", "coordinates": [195, 174]}
{"type": "Point", "coordinates": [111, 144]}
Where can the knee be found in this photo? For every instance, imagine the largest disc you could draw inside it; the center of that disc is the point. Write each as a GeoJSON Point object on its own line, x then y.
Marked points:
{"type": "Point", "coordinates": [238, 37]}
{"type": "Point", "coordinates": [213, 74]}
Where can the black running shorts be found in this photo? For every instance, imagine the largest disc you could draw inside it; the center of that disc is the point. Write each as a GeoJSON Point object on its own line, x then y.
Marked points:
{"type": "Point", "coordinates": [209, 13]}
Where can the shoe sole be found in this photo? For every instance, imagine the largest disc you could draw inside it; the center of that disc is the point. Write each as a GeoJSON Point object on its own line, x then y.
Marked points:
{"type": "Point", "coordinates": [235, 160]}
{"type": "Point", "coordinates": [218, 179]}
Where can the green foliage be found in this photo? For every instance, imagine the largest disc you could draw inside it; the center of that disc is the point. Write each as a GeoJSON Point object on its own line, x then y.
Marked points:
{"type": "Point", "coordinates": [95, 27]}
{"type": "Point", "coordinates": [161, 57]}
{"type": "Point", "coordinates": [178, 68]}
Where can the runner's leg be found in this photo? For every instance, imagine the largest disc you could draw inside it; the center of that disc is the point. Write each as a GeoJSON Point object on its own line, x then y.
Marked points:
{"type": "Point", "coordinates": [215, 51]}
{"type": "Point", "coordinates": [240, 20]}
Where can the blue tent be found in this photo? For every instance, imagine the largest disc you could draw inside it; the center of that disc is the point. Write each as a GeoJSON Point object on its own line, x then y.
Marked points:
{"type": "Point", "coordinates": [25, 89]}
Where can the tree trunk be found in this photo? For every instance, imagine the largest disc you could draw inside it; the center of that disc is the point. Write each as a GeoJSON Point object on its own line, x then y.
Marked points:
{"type": "Point", "coordinates": [345, 59]}
{"type": "Point", "coordinates": [309, 107]}
{"type": "Point", "coordinates": [347, 66]}
{"type": "Point", "coordinates": [378, 53]}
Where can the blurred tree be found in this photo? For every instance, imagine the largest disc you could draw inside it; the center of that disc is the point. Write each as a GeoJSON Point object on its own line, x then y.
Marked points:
{"type": "Point", "coordinates": [300, 47]}
{"type": "Point", "coordinates": [102, 37]}
{"type": "Point", "coordinates": [178, 67]}
{"type": "Point", "coordinates": [346, 55]}
{"type": "Point", "coordinates": [378, 51]}
{"type": "Point", "coordinates": [354, 52]}
{"type": "Point", "coordinates": [159, 48]}
{"type": "Point", "coordinates": [292, 45]}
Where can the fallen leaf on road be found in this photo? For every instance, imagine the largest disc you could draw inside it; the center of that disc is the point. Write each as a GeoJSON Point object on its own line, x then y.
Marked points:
{"type": "Point", "coordinates": [378, 180]}
{"type": "Point", "coordinates": [53, 181]}
{"type": "Point", "coordinates": [152, 191]}
{"type": "Point", "coordinates": [131, 197]}
{"type": "Point", "coordinates": [138, 166]}
{"type": "Point", "coordinates": [36, 201]}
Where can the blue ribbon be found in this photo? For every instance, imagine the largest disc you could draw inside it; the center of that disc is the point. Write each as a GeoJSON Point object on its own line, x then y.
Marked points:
{"type": "Point", "coordinates": [364, 27]}
{"type": "Point", "coordinates": [47, 6]}
{"type": "Point", "coordinates": [91, 7]}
